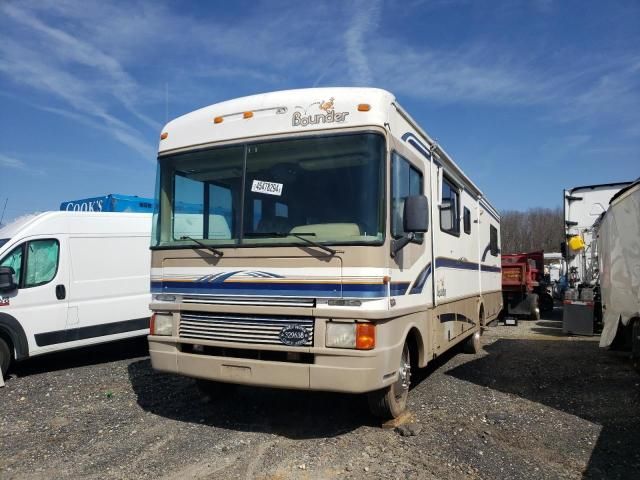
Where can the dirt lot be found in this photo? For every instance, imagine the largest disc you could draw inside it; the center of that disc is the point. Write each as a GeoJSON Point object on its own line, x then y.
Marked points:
{"type": "Point", "coordinates": [534, 404]}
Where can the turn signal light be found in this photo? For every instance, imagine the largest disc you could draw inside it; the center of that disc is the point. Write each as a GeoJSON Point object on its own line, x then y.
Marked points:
{"type": "Point", "coordinates": [218, 120]}
{"type": "Point", "coordinates": [247, 115]}
{"type": "Point", "coordinates": [365, 336]}
{"type": "Point", "coordinates": [164, 135]}
{"type": "Point", "coordinates": [364, 107]}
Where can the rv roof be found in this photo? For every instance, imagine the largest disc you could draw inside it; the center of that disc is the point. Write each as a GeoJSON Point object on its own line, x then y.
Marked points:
{"type": "Point", "coordinates": [293, 112]}
{"type": "Point", "coordinates": [601, 185]}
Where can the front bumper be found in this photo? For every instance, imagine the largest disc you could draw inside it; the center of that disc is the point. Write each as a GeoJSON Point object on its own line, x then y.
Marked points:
{"type": "Point", "coordinates": [333, 369]}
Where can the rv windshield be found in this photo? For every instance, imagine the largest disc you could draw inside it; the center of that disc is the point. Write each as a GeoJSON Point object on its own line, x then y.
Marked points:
{"type": "Point", "coordinates": [325, 189]}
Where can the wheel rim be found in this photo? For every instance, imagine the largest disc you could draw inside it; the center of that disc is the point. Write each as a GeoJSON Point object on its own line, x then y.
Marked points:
{"type": "Point", "coordinates": [401, 387]}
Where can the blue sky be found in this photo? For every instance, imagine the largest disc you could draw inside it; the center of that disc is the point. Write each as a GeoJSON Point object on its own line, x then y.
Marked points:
{"type": "Point", "coordinates": [528, 96]}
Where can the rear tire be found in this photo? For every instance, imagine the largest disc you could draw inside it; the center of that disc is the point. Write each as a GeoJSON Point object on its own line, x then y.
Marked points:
{"type": "Point", "coordinates": [391, 401]}
{"type": "Point", "coordinates": [472, 344]}
{"type": "Point", "coordinates": [535, 310]}
{"type": "Point", "coordinates": [5, 357]}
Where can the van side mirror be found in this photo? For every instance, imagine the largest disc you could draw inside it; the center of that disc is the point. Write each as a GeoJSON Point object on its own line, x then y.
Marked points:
{"type": "Point", "coordinates": [416, 214]}
{"type": "Point", "coordinates": [7, 283]}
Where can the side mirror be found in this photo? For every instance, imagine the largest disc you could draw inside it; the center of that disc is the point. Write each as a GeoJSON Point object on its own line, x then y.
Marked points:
{"type": "Point", "coordinates": [416, 214]}
{"type": "Point", "coordinates": [6, 279]}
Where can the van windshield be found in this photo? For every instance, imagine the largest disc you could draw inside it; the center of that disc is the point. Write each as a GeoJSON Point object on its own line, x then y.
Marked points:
{"type": "Point", "coordinates": [326, 189]}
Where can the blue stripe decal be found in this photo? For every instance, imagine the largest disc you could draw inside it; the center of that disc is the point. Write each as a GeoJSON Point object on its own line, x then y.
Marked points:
{"type": "Point", "coordinates": [490, 268]}
{"type": "Point", "coordinates": [276, 289]}
{"type": "Point", "coordinates": [462, 265]}
{"type": "Point", "coordinates": [415, 142]}
{"type": "Point", "coordinates": [398, 288]}
{"type": "Point", "coordinates": [444, 262]}
{"type": "Point", "coordinates": [455, 317]}
{"type": "Point", "coordinates": [421, 280]}
{"type": "Point", "coordinates": [486, 250]}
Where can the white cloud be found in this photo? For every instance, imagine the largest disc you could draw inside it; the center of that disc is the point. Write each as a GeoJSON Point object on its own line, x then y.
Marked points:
{"type": "Point", "coordinates": [11, 162]}
{"type": "Point", "coordinates": [62, 66]}
{"type": "Point", "coordinates": [367, 14]}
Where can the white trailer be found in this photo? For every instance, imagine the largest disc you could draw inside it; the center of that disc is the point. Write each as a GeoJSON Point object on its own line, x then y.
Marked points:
{"type": "Point", "coordinates": [582, 207]}
{"type": "Point", "coordinates": [618, 240]}
{"type": "Point", "coordinates": [337, 246]}
{"type": "Point", "coordinates": [71, 279]}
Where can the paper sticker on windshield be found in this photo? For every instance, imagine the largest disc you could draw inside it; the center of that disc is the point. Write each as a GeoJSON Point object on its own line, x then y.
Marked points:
{"type": "Point", "coordinates": [269, 188]}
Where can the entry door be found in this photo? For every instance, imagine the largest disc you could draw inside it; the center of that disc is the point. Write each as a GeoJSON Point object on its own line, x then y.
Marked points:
{"type": "Point", "coordinates": [411, 266]}
{"type": "Point", "coordinates": [40, 302]}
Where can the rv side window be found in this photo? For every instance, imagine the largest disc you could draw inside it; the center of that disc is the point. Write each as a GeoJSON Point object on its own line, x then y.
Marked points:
{"type": "Point", "coordinates": [449, 208]}
{"type": "Point", "coordinates": [42, 262]}
{"type": "Point", "coordinates": [467, 220]}
{"type": "Point", "coordinates": [14, 260]}
{"type": "Point", "coordinates": [407, 180]}
{"type": "Point", "coordinates": [493, 240]}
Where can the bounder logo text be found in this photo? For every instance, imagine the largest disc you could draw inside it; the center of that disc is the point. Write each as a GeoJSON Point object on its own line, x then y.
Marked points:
{"type": "Point", "coordinates": [302, 117]}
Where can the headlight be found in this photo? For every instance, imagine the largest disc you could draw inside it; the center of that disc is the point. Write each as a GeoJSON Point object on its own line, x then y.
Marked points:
{"type": "Point", "coordinates": [341, 335]}
{"type": "Point", "coordinates": [161, 324]}
{"type": "Point", "coordinates": [361, 336]}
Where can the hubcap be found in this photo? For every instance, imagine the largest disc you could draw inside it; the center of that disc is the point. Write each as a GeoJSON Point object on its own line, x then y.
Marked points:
{"type": "Point", "coordinates": [401, 387]}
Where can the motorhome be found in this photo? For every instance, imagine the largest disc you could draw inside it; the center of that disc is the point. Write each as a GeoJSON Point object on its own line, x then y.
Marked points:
{"type": "Point", "coordinates": [72, 279]}
{"type": "Point", "coordinates": [336, 246]}
{"type": "Point", "coordinates": [618, 242]}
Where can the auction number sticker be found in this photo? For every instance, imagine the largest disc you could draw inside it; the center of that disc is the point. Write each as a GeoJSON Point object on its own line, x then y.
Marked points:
{"type": "Point", "coordinates": [269, 188]}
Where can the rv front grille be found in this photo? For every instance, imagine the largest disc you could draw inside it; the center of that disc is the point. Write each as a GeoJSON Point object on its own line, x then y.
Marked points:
{"type": "Point", "coordinates": [242, 328]}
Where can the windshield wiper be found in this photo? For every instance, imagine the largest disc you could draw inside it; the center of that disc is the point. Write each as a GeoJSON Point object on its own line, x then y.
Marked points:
{"type": "Point", "coordinates": [302, 236]}
{"type": "Point", "coordinates": [215, 251]}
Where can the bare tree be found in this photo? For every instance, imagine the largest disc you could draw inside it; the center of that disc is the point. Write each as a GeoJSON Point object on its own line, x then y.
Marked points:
{"type": "Point", "coordinates": [531, 230]}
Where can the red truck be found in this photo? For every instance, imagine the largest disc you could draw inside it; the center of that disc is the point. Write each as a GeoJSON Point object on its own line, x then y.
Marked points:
{"type": "Point", "coordinates": [524, 289]}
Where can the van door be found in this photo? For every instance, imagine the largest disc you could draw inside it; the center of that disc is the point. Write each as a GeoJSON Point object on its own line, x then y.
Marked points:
{"type": "Point", "coordinates": [109, 287]}
{"type": "Point", "coordinates": [40, 302]}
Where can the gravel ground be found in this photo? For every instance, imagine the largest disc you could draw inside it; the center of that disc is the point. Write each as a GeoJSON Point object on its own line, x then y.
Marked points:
{"type": "Point", "coordinates": [534, 404]}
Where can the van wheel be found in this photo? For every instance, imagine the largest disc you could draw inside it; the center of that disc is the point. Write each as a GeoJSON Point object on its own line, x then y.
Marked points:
{"type": "Point", "coordinates": [5, 357]}
{"type": "Point", "coordinates": [472, 344]}
{"type": "Point", "coordinates": [214, 390]}
{"type": "Point", "coordinates": [391, 401]}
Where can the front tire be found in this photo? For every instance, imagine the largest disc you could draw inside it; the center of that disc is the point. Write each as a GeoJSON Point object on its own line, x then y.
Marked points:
{"type": "Point", "coordinates": [5, 357]}
{"type": "Point", "coordinates": [391, 401]}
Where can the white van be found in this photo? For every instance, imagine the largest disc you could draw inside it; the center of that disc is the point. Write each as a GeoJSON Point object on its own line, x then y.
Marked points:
{"type": "Point", "coordinates": [71, 279]}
